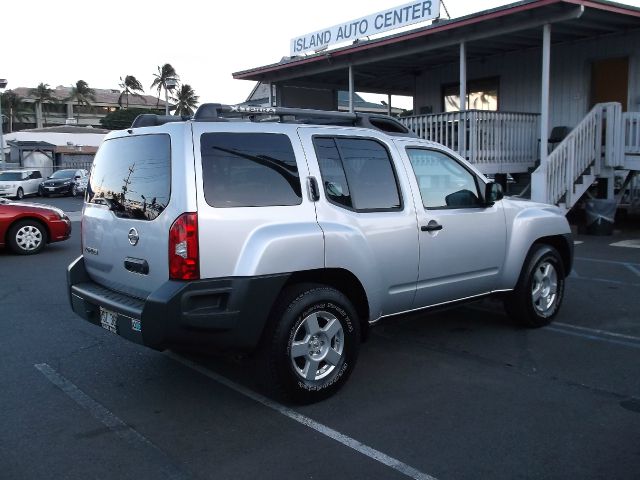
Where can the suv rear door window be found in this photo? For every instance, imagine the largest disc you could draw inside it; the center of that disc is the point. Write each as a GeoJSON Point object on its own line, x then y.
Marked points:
{"type": "Point", "coordinates": [132, 175]}
{"type": "Point", "coordinates": [249, 170]}
{"type": "Point", "coordinates": [357, 173]}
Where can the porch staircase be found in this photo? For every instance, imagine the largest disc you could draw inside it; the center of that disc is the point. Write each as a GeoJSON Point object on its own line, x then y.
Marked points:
{"type": "Point", "coordinates": [604, 141]}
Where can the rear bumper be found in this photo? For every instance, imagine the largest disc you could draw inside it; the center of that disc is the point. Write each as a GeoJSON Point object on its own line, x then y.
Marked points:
{"type": "Point", "coordinates": [223, 313]}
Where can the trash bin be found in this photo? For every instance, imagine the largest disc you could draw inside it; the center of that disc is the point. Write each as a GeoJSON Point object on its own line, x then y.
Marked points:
{"type": "Point", "coordinates": [600, 215]}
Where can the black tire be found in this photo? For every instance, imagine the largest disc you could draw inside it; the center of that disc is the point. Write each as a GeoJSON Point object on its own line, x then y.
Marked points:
{"type": "Point", "coordinates": [27, 237]}
{"type": "Point", "coordinates": [19, 193]}
{"type": "Point", "coordinates": [73, 191]}
{"type": "Point", "coordinates": [280, 372]}
{"type": "Point", "coordinates": [520, 304]}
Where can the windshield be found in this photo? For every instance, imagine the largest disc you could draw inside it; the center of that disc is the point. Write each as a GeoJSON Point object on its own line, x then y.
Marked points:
{"type": "Point", "coordinates": [10, 176]}
{"type": "Point", "coordinates": [63, 174]}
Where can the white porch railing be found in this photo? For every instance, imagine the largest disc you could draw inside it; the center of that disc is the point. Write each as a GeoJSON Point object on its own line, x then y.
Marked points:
{"type": "Point", "coordinates": [631, 133]}
{"type": "Point", "coordinates": [495, 142]}
{"type": "Point", "coordinates": [594, 144]}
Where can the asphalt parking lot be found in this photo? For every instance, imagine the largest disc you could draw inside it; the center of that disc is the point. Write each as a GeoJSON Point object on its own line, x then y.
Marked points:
{"type": "Point", "coordinates": [457, 394]}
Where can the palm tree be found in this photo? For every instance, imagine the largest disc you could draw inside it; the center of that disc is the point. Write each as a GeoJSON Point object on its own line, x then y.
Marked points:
{"type": "Point", "coordinates": [160, 81]}
{"type": "Point", "coordinates": [82, 94]}
{"type": "Point", "coordinates": [14, 105]}
{"type": "Point", "coordinates": [185, 100]}
{"type": "Point", "coordinates": [130, 85]}
{"type": "Point", "coordinates": [42, 94]}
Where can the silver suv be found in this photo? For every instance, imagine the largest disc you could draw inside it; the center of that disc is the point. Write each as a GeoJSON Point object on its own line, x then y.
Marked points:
{"type": "Point", "coordinates": [289, 233]}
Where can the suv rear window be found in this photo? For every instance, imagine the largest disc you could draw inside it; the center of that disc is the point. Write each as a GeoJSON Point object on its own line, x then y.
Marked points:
{"type": "Point", "coordinates": [249, 170]}
{"type": "Point", "coordinates": [132, 175]}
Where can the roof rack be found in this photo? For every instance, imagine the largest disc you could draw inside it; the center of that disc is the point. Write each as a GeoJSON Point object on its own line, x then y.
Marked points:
{"type": "Point", "coordinates": [216, 112]}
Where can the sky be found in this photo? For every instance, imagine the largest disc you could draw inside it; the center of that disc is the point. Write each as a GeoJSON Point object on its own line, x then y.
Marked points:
{"type": "Point", "coordinates": [60, 42]}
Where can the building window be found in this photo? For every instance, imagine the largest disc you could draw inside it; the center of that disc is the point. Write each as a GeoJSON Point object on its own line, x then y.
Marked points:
{"type": "Point", "coordinates": [481, 95]}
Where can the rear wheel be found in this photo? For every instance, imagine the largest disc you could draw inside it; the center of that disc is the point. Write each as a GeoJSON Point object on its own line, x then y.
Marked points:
{"type": "Point", "coordinates": [20, 193]}
{"type": "Point", "coordinates": [27, 237]}
{"type": "Point", "coordinates": [311, 344]}
{"type": "Point", "coordinates": [539, 293]}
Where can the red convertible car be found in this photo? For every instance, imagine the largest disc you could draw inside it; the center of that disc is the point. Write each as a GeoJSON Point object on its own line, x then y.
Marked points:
{"type": "Point", "coordinates": [27, 227]}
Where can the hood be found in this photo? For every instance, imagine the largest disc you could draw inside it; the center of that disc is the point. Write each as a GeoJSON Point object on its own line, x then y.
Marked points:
{"type": "Point", "coordinates": [31, 206]}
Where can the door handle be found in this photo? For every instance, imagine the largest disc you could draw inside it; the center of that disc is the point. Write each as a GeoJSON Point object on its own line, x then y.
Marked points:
{"type": "Point", "coordinates": [432, 227]}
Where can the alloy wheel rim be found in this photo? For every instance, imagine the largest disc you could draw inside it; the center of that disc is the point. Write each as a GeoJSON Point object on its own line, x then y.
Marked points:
{"type": "Point", "coordinates": [317, 346]}
{"type": "Point", "coordinates": [544, 288]}
{"type": "Point", "coordinates": [29, 238]}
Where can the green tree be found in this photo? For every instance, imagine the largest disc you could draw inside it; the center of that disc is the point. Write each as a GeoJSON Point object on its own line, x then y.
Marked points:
{"type": "Point", "coordinates": [130, 85]}
{"type": "Point", "coordinates": [82, 94]}
{"type": "Point", "coordinates": [121, 119]}
{"type": "Point", "coordinates": [14, 108]}
{"type": "Point", "coordinates": [43, 94]}
{"type": "Point", "coordinates": [160, 81]}
{"type": "Point", "coordinates": [185, 100]}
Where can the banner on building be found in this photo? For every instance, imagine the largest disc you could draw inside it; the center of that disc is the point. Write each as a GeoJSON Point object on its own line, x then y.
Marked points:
{"type": "Point", "coordinates": [380, 22]}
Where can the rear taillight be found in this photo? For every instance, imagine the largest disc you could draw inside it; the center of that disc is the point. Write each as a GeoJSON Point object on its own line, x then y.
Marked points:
{"type": "Point", "coordinates": [183, 248]}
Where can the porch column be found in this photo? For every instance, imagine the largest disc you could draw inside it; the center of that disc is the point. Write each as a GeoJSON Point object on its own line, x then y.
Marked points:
{"type": "Point", "coordinates": [544, 105]}
{"type": "Point", "coordinates": [270, 94]}
{"type": "Point", "coordinates": [351, 88]}
{"type": "Point", "coordinates": [389, 104]}
{"type": "Point", "coordinates": [462, 126]}
{"type": "Point", "coordinates": [539, 185]}
{"type": "Point", "coordinates": [463, 76]}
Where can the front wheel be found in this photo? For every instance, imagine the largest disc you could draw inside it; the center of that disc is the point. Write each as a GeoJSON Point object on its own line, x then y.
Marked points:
{"type": "Point", "coordinates": [74, 190]}
{"type": "Point", "coordinates": [539, 293]}
{"type": "Point", "coordinates": [27, 237]}
{"type": "Point", "coordinates": [20, 193]}
{"type": "Point", "coordinates": [311, 344]}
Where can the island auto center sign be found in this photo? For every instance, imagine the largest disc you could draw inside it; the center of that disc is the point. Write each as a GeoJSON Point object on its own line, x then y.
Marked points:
{"type": "Point", "coordinates": [380, 22]}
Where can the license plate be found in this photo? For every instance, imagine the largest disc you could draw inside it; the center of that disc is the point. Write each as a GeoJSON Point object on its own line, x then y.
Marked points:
{"type": "Point", "coordinates": [50, 188]}
{"type": "Point", "coordinates": [109, 320]}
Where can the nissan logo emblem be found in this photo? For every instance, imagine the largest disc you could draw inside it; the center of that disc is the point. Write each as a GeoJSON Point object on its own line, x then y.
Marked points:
{"type": "Point", "coordinates": [133, 237]}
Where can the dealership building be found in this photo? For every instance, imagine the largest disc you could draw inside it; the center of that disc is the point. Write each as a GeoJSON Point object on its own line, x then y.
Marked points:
{"type": "Point", "coordinates": [549, 88]}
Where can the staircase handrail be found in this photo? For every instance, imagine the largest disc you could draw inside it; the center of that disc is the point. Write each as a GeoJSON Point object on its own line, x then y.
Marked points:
{"type": "Point", "coordinates": [582, 149]}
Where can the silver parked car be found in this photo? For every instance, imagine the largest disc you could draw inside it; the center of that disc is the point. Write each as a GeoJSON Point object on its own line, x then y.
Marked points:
{"type": "Point", "coordinates": [18, 183]}
{"type": "Point", "coordinates": [291, 238]}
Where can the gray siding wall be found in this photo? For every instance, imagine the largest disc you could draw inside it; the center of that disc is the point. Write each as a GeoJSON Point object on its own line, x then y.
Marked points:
{"type": "Point", "coordinates": [520, 74]}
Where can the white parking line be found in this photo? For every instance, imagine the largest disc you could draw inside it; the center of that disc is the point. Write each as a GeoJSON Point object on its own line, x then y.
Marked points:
{"type": "Point", "coordinates": [626, 243]}
{"type": "Point", "coordinates": [117, 426]}
{"type": "Point", "coordinates": [633, 269]}
{"type": "Point", "coordinates": [610, 262]}
{"type": "Point", "coordinates": [347, 441]}
{"type": "Point", "coordinates": [593, 334]}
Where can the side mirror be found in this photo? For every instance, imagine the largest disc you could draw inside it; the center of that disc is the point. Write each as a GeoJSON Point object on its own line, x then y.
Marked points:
{"type": "Point", "coordinates": [77, 177]}
{"type": "Point", "coordinates": [493, 193]}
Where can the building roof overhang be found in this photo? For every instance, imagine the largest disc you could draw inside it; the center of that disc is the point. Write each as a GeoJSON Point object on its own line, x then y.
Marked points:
{"type": "Point", "coordinates": [390, 64]}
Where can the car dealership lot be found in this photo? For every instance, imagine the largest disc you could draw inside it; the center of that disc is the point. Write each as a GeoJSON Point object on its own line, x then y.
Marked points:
{"type": "Point", "coordinates": [460, 393]}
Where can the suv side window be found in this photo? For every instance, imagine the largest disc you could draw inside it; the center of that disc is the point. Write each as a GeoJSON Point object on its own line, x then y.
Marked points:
{"type": "Point", "coordinates": [249, 170]}
{"type": "Point", "coordinates": [357, 173]}
{"type": "Point", "coordinates": [35, 175]}
{"type": "Point", "coordinates": [443, 182]}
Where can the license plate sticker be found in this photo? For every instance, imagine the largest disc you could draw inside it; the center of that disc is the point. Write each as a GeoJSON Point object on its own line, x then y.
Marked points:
{"type": "Point", "coordinates": [135, 325]}
{"type": "Point", "coordinates": [109, 320]}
